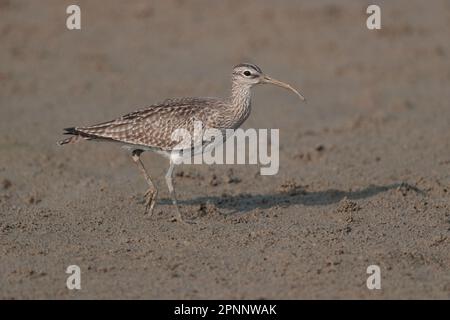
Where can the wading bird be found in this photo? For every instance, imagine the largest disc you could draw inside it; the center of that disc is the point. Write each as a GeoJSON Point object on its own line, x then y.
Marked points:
{"type": "Point", "coordinates": [151, 128]}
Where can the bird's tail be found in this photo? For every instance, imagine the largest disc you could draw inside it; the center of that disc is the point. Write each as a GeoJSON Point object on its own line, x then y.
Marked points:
{"type": "Point", "coordinates": [76, 136]}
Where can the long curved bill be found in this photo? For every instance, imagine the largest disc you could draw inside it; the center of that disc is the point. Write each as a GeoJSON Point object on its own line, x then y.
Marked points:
{"type": "Point", "coordinates": [270, 80]}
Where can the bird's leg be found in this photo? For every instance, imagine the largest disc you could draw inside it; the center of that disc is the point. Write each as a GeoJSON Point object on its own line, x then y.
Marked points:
{"type": "Point", "coordinates": [169, 176]}
{"type": "Point", "coordinates": [152, 192]}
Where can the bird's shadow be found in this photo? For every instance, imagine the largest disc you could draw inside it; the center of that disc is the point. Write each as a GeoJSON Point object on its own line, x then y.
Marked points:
{"type": "Point", "coordinates": [242, 203]}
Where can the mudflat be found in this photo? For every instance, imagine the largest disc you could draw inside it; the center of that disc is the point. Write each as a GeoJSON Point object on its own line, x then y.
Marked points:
{"type": "Point", "coordinates": [364, 165]}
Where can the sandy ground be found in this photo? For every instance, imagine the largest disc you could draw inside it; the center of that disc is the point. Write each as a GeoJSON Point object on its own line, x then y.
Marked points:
{"type": "Point", "coordinates": [364, 166]}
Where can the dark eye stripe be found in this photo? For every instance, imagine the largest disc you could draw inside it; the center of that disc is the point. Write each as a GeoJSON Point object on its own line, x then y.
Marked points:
{"type": "Point", "coordinates": [252, 76]}
{"type": "Point", "coordinates": [249, 65]}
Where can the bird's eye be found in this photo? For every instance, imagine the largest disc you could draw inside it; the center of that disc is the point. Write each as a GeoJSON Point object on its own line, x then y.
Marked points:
{"type": "Point", "coordinates": [247, 73]}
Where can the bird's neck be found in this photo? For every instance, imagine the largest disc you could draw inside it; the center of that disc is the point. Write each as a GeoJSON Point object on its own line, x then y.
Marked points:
{"type": "Point", "coordinates": [240, 103]}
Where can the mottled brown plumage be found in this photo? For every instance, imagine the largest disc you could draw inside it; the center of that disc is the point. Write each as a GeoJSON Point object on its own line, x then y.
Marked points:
{"type": "Point", "coordinates": [151, 128]}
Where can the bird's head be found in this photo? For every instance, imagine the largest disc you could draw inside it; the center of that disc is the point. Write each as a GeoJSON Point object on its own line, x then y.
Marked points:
{"type": "Point", "coordinates": [248, 74]}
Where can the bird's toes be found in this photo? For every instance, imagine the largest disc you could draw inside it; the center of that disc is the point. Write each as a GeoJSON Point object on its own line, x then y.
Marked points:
{"type": "Point", "coordinates": [149, 207]}
{"type": "Point", "coordinates": [150, 200]}
{"type": "Point", "coordinates": [148, 211]}
{"type": "Point", "coordinates": [148, 192]}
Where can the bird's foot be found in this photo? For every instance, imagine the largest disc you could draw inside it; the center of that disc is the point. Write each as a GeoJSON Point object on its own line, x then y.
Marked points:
{"type": "Point", "coordinates": [179, 218]}
{"type": "Point", "coordinates": [150, 200]}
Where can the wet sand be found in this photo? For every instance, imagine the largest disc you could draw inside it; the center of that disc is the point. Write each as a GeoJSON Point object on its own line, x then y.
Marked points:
{"type": "Point", "coordinates": [364, 166]}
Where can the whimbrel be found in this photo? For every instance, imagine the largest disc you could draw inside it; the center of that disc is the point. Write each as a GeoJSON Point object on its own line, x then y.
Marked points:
{"type": "Point", "coordinates": [151, 128]}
